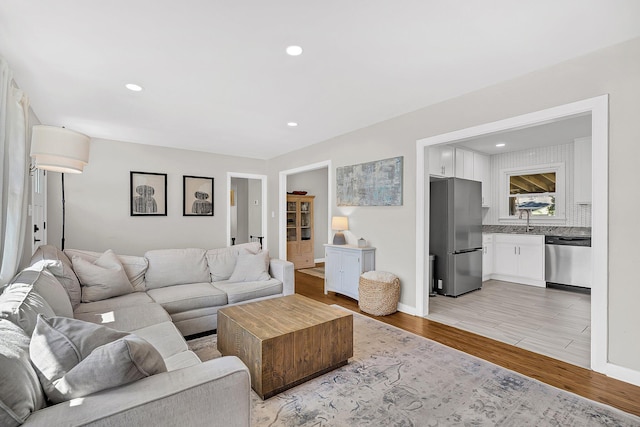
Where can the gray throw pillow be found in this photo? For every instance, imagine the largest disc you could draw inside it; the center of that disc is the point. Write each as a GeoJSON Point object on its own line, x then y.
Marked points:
{"type": "Point", "coordinates": [75, 358]}
{"type": "Point", "coordinates": [251, 268]}
{"type": "Point", "coordinates": [104, 278]}
{"type": "Point", "coordinates": [65, 275]}
{"type": "Point", "coordinates": [20, 390]}
{"type": "Point", "coordinates": [21, 304]}
{"type": "Point", "coordinates": [47, 286]}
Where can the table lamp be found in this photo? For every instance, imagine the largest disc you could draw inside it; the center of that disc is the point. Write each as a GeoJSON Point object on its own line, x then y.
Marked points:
{"type": "Point", "coordinates": [339, 224]}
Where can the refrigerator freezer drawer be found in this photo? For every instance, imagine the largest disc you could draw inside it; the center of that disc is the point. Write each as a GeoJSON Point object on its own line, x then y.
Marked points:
{"type": "Point", "coordinates": [465, 273]}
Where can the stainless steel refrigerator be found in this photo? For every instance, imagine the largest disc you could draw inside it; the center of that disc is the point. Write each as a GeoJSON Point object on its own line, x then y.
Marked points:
{"type": "Point", "coordinates": [455, 235]}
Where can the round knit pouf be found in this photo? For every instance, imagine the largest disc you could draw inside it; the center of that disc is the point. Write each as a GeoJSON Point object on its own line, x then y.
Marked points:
{"type": "Point", "coordinates": [379, 293]}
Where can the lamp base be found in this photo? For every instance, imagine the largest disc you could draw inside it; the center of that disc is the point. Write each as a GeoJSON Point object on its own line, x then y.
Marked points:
{"type": "Point", "coordinates": [338, 239]}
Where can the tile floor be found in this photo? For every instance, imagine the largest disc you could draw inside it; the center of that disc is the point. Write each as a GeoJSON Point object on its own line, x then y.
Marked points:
{"type": "Point", "coordinates": [552, 322]}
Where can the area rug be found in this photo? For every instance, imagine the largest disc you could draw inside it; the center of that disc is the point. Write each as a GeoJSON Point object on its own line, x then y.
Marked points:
{"type": "Point", "coordinates": [315, 271]}
{"type": "Point", "coordinates": [399, 379]}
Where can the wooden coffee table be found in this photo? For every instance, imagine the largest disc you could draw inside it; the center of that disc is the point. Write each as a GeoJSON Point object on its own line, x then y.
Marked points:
{"type": "Point", "coordinates": [285, 341]}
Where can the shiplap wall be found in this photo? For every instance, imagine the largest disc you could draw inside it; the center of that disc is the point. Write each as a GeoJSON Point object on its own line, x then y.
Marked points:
{"type": "Point", "coordinates": [577, 215]}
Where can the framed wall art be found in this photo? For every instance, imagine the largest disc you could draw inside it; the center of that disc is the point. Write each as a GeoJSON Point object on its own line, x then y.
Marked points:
{"type": "Point", "coordinates": [376, 183]}
{"type": "Point", "coordinates": [148, 194]}
{"type": "Point", "coordinates": [197, 196]}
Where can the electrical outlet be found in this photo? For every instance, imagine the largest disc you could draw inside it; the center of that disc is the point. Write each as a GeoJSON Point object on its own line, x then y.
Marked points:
{"type": "Point", "coordinates": [439, 284]}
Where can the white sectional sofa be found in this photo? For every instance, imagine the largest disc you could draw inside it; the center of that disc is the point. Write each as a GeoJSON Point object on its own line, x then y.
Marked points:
{"type": "Point", "coordinates": [160, 297]}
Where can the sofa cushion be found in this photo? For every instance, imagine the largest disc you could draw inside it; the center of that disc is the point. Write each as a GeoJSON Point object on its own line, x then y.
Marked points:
{"type": "Point", "coordinates": [134, 266]}
{"type": "Point", "coordinates": [75, 358]}
{"type": "Point", "coordinates": [66, 276]}
{"type": "Point", "coordinates": [182, 360]}
{"type": "Point", "coordinates": [165, 337]}
{"type": "Point", "coordinates": [238, 292]}
{"type": "Point", "coordinates": [21, 304]}
{"type": "Point", "coordinates": [251, 267]}
{"type": "Point", "coordinates": [129, 318]}
{"type": "Point", "coordinates": [47, 286]}
{"type": "Point", "coordinates": [168, 267]}
{"type": "Point", "coordinates": [222, 261]}
{"type": "Point", "coordinates": [104, 278]}
{"type": "Point", "coordinates": [20, 390]}
{"type": "Point", "coordinates": [178, 298]}
{"type": "Point", "coordinates": [128, 300]}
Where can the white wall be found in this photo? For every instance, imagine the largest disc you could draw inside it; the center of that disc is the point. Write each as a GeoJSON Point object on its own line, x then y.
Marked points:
{"type": "Point", "coordinates": [614, 71]}
{"type": "Point", "coordinates": [98, 199]}
{"type": "Point", "coordinates": [315, 184]}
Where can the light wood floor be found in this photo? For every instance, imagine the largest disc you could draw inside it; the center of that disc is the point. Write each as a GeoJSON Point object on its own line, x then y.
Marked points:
{"type": "Point", "coordinates": [552, 322]}
{"type": "Point", "coordinates": [557, 373]}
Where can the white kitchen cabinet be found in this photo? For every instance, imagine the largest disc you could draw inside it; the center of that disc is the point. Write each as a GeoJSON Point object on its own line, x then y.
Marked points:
{"type": "Point", "coordinates": [519, 258]}
{"type": "Point", "coordinates": [487, 256]}
{"type": "Point", "coordinates": [464, 164]}
{"type": "Point", "coordinates": [482, 173]}
{"type": "Point", "coordinates": [441, 161]}
{"type": "Point", "coordinates": [343, 265]}
{"type": "Point", "coordinates": [582, 171]}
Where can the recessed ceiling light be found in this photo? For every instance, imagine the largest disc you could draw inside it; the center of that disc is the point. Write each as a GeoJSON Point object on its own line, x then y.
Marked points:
{"type": "Point", "coordinates": [134, 87]}
{"type": "Point", "coordinates": [294, 50]}
{"type": "Point", "coordinates": [502, 144]}
{"type": "Point", "coordinates": [292, 124]}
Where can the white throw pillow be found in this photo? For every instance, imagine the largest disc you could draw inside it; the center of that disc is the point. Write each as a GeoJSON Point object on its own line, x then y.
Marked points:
{"type": "Point", "coordinates": [102, 279]}
{"type": "Point", "coordinates": [134, 266]}
{"type": "Point", "coordinates": [74, 358]}
{"type": "Point", "coordinates": [251, 268]}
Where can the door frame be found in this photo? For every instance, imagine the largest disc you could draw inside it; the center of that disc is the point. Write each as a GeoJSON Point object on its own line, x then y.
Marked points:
{"type": "Point", "coordinates": [599, 109]}
{"type": "Point", "coordinates": [282, 201]}
{"type": "Point", "coordinates": [263, 216]}
{"type": "Point", "coordinates": [39, 219]}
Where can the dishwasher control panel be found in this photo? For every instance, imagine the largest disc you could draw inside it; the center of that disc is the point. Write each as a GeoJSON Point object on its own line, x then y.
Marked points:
{"type": "Point", "coordinates": [568, 240]}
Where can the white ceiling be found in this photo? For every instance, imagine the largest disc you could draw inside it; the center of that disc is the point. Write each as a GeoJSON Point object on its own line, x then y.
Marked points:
{"type": "Point", "coordinates": [217, 79]}
{"type": "Point", "coordinates": [558, 132]}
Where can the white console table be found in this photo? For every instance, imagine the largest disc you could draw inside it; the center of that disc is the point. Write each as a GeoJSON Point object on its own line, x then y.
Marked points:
{"type": "Point", "coordinates": [343, 265]}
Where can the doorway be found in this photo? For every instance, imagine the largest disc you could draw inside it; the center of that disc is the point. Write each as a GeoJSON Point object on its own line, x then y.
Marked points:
{"type": "Point", "coordinates": [323, 212]}
{"type": "Point", "coordinates": [246, 208]}
{"type": "Point", "coordinates": [598, 108]}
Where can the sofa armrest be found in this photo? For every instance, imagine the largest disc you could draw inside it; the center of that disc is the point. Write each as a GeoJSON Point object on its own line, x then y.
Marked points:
{"type": "Point", "coordinates": [213, 393]}
{"type": "Point", "coordinates": [283, 271]}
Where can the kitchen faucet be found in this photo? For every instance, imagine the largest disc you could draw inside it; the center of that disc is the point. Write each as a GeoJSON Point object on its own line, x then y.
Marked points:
{"type": "Point", "coordinates": [528, 212]}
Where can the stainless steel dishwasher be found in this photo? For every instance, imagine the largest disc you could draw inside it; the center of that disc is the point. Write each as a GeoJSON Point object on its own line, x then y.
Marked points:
{"type": "Point", "coordinates": [568, 261]}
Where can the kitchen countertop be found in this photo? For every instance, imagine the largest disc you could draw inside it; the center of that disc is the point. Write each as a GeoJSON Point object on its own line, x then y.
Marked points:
{"type": "Point", "coordinates": [546, 230]}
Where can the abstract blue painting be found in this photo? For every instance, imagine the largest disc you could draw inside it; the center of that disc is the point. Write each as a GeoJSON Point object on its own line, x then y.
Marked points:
{"type": "Point", "coordinates": [376, 183]}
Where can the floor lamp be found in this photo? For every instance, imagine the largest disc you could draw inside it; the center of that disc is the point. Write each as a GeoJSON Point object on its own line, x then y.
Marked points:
{"type": "Point", "coordinates": [61, 150]}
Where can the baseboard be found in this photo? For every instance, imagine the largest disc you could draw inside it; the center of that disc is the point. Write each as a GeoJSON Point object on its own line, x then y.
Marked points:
{"type": "Point", "coordinates": [406, 309]}
{"type": "Point", "coordinates": [520, 280]}
{"type": "Point", "coordinates": [319, 260]}
{"type": "Point", "coordinates": [623, 374]}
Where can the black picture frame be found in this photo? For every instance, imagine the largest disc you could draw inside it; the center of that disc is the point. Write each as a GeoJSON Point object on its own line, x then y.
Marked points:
{"type": "Point", "coordinates": [197, 196]}
{"type": "Point", "coordinates": [148, 194]}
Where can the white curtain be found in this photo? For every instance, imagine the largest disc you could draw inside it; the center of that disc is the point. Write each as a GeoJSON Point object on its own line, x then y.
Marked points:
{"type": "Point", "coordinates": [14, 172]}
